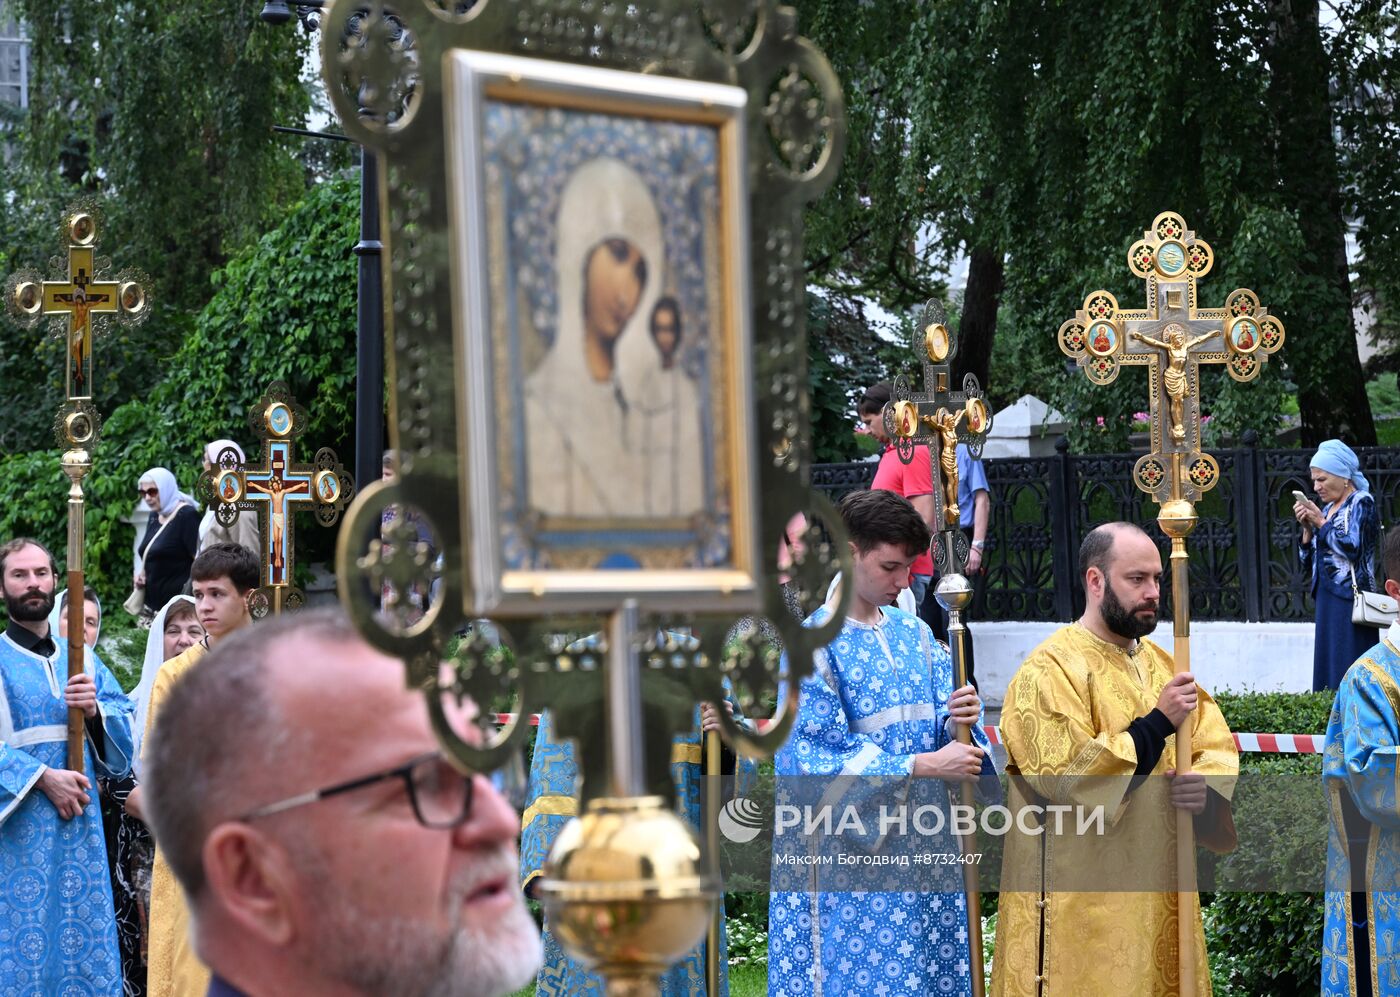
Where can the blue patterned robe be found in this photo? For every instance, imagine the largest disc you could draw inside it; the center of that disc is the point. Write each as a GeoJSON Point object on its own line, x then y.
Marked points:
{"type": "Point", "coordinates": [877, 696]}
{"type": "Point", "coordinates": [553, 801]}
{"type": "Point", "coordinates": [1345, 541]}
{"type": "Point", "coordinates": [1359, 773]}
{"type": "Point", "coordinates": [58, 930]}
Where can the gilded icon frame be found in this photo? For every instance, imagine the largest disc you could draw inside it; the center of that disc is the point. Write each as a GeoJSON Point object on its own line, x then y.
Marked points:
{"type": "Point", "coordinates": [556, 575]}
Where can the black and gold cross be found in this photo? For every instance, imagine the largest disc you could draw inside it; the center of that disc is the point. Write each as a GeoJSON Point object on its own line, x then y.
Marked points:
{"type": "Point", "coordinates": [940, 418]}
{"type": "Point", "coordinates": [81, 296]}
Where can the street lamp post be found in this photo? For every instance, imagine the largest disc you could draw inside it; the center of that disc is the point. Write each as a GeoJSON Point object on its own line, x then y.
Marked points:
{"type": "Point", "coordinates": [369, 310]}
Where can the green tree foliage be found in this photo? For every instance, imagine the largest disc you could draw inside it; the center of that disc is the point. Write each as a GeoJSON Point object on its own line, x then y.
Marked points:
{"type": "Point", "coordinates": [863, 235]}
{"type": "Point", "coordinates": [284, 308]}
{"type": "Point", "coordinates": [847, 357]}
{"type": "Point", "coordinates": [1264, 943]}
{"type": "Point", "coordinates": [1051, 135]}
{"type": "Point", "coordinates": [1366, 55]}
{"type": "Point", "coordinates": [165, 112]}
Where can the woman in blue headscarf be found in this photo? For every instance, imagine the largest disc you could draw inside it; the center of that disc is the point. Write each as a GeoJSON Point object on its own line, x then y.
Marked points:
{"type": "Point", "coordinates": [171, 540]}
{"type": "Point", "coordinates": [1338, 546]}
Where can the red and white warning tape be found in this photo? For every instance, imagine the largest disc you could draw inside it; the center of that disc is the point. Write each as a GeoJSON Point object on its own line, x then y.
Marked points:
{"type": "Point", "coordinates": [1269, 744]}
{"type": "Point", "coordinates": [1284, 744]}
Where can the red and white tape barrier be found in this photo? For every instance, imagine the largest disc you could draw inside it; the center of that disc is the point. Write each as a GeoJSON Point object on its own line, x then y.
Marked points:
{"type": "Point", "coordinates": [1268, 744]}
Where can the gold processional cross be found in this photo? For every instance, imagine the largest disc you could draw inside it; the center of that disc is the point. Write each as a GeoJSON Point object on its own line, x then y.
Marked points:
{"type": "Point", "coordinates": [80, 297]}
{"type": "Point", "coordinates": [940, 419]}
{"type": "Point", "coordinates": [1172, 337]}
{"type": "Point", "coordinates": [927, 419]}
{"type": "Point", "coordinates": [276, 491]}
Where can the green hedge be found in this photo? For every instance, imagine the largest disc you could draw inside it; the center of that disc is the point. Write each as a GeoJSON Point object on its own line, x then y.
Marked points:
{"type": "Point", "coordinates": [1276, 712]}
{"type": "Point", "coordinates": [1264, 943]}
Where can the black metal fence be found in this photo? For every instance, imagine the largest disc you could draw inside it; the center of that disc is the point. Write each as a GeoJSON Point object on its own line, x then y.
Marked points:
{"type": "Point", "coordinates": [1244, 551]}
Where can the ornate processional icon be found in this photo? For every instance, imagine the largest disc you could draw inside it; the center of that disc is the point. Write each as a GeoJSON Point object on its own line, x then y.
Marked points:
{"type": "Point", "coordinates": [79, 293]}
{"type": "Point", "coordinates": [276, 491]}
{"type": "Point", "coordinates": [598, 393]}
{"type": "Point", "coordinates": [1172, 337]}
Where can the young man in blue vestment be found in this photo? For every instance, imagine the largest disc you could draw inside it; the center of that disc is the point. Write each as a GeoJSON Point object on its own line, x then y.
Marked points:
{"type": "Point", "coordinates": [1361, 935]}
{"type": "Point", "coordinates": [877, 721]}
{"type": "Point", "coordinates": [58, 930]}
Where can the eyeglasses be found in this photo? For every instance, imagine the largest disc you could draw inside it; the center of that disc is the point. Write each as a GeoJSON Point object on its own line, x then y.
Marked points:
{"type": "Point", "coordinates": [440, 795]}
{"type": "Point", "coordinates": [148, 492]}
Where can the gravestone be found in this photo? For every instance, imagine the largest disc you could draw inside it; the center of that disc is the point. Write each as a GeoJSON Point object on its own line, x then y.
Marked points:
{"type": "Point", "coordinates": [1026, 428]}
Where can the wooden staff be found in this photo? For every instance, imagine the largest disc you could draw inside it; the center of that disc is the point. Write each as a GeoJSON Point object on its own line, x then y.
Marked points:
{"type": "Point", "coordinates": [76, 464]}
{"type": "Point", "coordinates": [1177, 518]}
{"type": "Point", "coordinates": [711, 772]}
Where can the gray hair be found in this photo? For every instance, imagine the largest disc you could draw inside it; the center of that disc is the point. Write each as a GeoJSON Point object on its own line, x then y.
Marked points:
{"type": "Point", "coordinates": [218, 730]}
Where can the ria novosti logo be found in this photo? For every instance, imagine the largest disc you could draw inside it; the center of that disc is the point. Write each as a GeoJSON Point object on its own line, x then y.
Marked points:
{"type": "Point", "coordinates": [741, 820]}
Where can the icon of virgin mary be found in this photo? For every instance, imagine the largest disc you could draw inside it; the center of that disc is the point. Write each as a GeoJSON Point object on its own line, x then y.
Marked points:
{"type": "Point", "coordinates": [584, 432]}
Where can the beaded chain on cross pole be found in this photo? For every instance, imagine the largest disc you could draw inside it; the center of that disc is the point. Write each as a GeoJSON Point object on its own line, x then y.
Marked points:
{"type": "Point", "coordinates": [940, 418]}
{"type": "Point", "coordinates": [276, 490]}
{"type": "Point", "coordinates": [79, 293]}
{"type": "Point", "coordinates": [1172, 337]}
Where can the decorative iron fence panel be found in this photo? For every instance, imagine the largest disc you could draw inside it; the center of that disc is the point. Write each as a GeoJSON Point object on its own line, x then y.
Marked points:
{"type": "Point", "coordinates": [1244, 551]}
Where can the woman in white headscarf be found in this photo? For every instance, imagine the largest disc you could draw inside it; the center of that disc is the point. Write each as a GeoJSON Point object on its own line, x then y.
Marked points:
{"type": "Point", "coordinates": [584, 457]}
{"type": "Point", "coordinates": [174, 629]}
{"type": "Point", "coordinates": [244, 530]}
{"type": "Point", "coordinates": [171, 541]}
{"type": "Point", "coordinates": [129, 848]}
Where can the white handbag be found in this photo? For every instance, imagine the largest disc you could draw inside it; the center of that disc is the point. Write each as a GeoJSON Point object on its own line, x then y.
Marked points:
{"type": "Point", "coordinates": [1371, 609]}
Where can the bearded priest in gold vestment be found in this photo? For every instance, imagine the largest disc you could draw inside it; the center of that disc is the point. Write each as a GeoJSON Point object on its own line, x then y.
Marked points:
{"type": "Point", "coordinates": [1089, 722]}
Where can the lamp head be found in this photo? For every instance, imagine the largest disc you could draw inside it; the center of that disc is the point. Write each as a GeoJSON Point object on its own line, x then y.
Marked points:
{"type": "Point", "coordinates": [275, 12]}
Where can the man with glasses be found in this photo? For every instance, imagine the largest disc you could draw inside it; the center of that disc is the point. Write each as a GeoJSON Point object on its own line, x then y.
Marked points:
{"type": "Point", "coordinates": [323, 843]}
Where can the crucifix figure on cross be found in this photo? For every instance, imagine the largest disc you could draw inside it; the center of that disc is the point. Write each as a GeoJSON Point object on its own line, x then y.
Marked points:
{"type": "Point", "coordinates": [1172, 337]}
{"type": "Point", "coordinates": [940, 419]}
{"type": "Point", "coordinates": [276, 491]}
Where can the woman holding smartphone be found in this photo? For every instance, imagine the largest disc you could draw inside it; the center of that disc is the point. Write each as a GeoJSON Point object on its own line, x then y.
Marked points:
{"type": "Point", "coordinates": [1338, 546]}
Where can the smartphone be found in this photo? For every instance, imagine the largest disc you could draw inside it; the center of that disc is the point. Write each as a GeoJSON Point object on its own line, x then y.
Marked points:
{"type": "Point", "coordinates": [1299, 495]}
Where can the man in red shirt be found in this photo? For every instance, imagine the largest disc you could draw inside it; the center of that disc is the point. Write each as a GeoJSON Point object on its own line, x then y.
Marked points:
{"type": "Point", "coordinates": [914, 481]}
